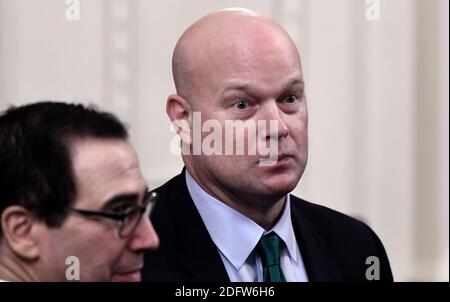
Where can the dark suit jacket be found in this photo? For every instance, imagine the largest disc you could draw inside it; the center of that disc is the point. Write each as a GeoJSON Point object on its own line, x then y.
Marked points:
{"type": "Point", "coordinates": [334, 246]}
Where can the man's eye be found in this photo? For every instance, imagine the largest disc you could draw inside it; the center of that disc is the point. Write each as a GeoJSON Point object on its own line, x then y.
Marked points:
{"type": "Point", "coordinates": [291, 99]}
{"type": "Point", "coordinates": [120, 209]}
{"type": "Point", "coordinates": [241, 105]}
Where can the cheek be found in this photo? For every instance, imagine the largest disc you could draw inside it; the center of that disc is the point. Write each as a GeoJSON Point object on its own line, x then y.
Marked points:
{"type": "Point", "coordinates": [99, 259]}
{"type": "Point", "coordinates": [222, 167]}
{"type": "Point", "coordinates": [96, 247]}
{"type": "Point", "coordinates": [298, 125]}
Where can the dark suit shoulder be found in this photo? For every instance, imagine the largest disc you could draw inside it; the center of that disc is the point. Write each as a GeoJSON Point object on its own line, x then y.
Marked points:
{"type": "Point", "coordinates": [347, 242]}
{"type": "Point", "coordinates": [332, 222]}
{"type": "Point", "coordinates": [170, 188]}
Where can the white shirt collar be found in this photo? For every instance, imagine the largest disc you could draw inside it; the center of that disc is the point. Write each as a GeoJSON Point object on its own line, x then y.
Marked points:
{"type": "Point", "coordinates": [234, 234]}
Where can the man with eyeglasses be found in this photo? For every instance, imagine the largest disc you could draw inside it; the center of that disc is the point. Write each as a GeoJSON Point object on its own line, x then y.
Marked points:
{"type": "Point", "coordinates": [73, 202]}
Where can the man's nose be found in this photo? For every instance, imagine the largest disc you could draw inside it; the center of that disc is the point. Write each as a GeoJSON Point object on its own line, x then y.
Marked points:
{"type": "Point", "coordinates": [145, 236]}
{"type": "Point", "coordinates": [276, 126]}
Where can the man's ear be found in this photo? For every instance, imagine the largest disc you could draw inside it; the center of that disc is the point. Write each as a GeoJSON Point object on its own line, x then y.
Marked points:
{"type": "Point", "coordinates": [17, 226]}
{"type": "Point", "coordinates": [179, 111]}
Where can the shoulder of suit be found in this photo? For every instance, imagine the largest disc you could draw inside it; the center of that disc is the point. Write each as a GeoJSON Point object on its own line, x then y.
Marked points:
{"type": "Point", "coordinates": [172, 185]}
{"type": "Point", "coordinates": [329, 221]}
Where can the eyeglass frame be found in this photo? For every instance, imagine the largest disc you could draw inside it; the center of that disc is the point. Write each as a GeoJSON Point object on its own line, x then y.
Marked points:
{"type": "Point", "coordinates": [145, 208]}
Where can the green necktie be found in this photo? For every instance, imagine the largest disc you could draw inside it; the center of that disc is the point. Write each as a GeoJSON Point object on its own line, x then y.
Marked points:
{"type": "Point", "coordinates": [269, 250]}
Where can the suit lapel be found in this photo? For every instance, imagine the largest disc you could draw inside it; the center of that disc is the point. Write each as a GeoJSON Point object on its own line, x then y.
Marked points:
{"type": "Point", "coordinates": [197, 254]}
{"type": "Point", "coordinates": [313, 249]}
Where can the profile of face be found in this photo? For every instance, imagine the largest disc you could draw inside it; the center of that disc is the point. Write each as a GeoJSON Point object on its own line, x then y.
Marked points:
{"type": "Point", "coordinates": [108, 178]}
{"type": "Point", "coordinates": [245, 67]}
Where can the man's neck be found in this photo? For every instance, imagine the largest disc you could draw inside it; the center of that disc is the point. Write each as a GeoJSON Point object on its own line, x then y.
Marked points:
{"type": "Point", "coordinates": [262, 210]}
{"type": "Point", "coordinates": [266, 217]}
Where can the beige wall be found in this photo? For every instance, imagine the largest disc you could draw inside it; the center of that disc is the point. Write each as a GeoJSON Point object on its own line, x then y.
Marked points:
{"type": "Point", "coordinates": [377, 93]}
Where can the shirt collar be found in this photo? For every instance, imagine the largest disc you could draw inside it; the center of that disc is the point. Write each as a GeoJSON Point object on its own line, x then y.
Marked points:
{"type": "Point", "coordinates": [234, 234]}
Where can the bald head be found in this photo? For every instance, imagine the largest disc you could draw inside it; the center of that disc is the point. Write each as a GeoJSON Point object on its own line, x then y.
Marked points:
{"type": "Point", "coordinates": [222, 39]}
{"type": "Point", "coordinates": [238, 66]}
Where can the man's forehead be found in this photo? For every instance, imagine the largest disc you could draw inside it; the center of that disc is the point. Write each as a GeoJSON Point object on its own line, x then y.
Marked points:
{"type": "Point", "coordinates": [81, 147]}
{"type": "Point", "coordinates": [253, 71]}
{"type": "Point", "coordinates": [104, 168]}
{"type": "Point", "coordinates": [97, 155]}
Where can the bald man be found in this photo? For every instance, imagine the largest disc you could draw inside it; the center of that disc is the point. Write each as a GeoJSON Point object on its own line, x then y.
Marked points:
{"type": "Point", "coordinates": [229, 215]}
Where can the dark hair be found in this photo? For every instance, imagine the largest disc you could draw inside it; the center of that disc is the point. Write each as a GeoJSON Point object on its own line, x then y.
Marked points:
{"type": "Point", "coordinates": [35, 163]}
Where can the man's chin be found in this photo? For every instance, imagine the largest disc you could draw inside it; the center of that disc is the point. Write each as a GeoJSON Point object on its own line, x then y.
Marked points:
{"type": "Point", "coordinates": [280, 184]}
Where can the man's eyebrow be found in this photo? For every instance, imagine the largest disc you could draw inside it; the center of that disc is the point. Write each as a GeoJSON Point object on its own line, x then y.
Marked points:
{"type": "Point", "coordinates": [297, 80]}
{"type": "Point", "coordinates": [234, 86]}
{"type": "Point", "coordinates": [123, 198]}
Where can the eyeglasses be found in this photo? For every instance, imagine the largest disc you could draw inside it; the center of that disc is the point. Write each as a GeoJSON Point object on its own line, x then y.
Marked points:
{"type": "Point", "coordinates": [129, 219]}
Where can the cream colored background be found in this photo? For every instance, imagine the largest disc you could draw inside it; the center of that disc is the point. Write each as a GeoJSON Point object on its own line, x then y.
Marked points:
{"type": "Point", "coordinates": [377, 91]}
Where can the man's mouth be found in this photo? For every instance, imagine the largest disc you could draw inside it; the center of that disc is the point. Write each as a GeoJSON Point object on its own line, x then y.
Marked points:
{"type": "Point", "coordinates": [283, 157]}
{"type": "Point", "coordinates": [129, 275]}
{"type": "Point", "coordinates": [276, 160]}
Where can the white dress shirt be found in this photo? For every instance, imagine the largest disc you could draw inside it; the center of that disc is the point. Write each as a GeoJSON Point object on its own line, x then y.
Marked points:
{"type": "Point", "coordinates": [236, 237]}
